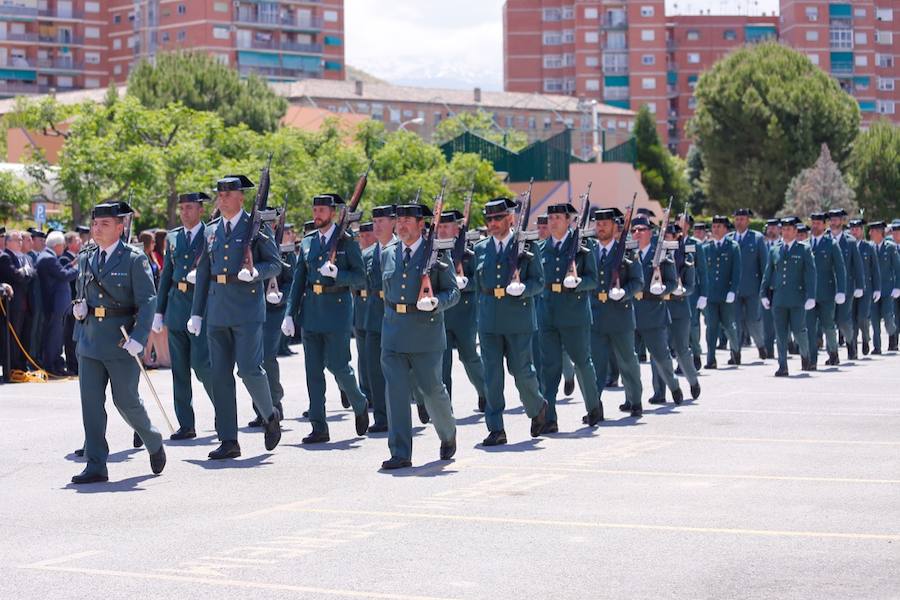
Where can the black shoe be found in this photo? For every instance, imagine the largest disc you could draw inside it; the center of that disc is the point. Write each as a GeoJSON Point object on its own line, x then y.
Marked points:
{"type": "Point", "coordinates": [804, 364]}
{"type": "Point", "coordinates": [495, 438]}
{"type": "Point", "coordinates": [79, 452]}
{"type": "Point", "coordinates": [811, 365]}
{"type": "Point", "coordinates": [595, 416]}
{"type": "Point", "coordinates": [637, 412]}
{"type": "Point", "coordinates": [423, 413]}
{"type": "Point", "coordinates": [677, 396]}
{"type": "Point", "coordinates": [184, 433]}
{"type": "Point", "coordinates": [678, 370]}
{"type": "Point", "coordinates": [257, 422]}
{"type": "Point", "coordinates": [316, 437]}
{"type": "Point", "coordinates": [158, 460]}
{"type": "Point", "coordinates": [273, 431]}
{"type": "Point", "coordinates": [551, 427]}
{"type": "Point", "coordinates": [612, 382]}
{"type": "Point", "coordinates": [482, 403]}
{"type": "Point", "coordinates": [793, 348]}
{"type": "Point", "coordinates": [362, 422]}
{"type": "Point", "coordinates": [377, 428]}
{"type": "Point", "coordinates": [865, 346]}
{"type": "Point", "coordinates": [876, 352]}
{"type": "Point", "coordinates": [625, 407]}
{"type": "Point", "coordinates": [781, 372]}
{"type": "Point", "coordinates": [345, 402]}
{"type": "Point", "coordinates": [763, 355]}
{"type": "Point", "coordinates": [695, 391]}
{"type": "Point", "coordinates": [305, 414]}
{"type": "Point", "coordinates": [722, 346]}
{"type": "Point", "coordinates": [279, 411]}
{"type": "Point", "coordinates": [448, 449]}
{"type": "Point", "coordinates": [852, 353]}
{"type": "Point", "coordinates": [228, 449]}
{"type": "Point", "coordinates": [735, 358]}
{"type": "Point", "coordinates": [539, 422]}
{"type": "Point", "coordinates": [711, 365]}
{"type": "Point", "coordinates": [833, 359]}
{"type": "Point", "coordinates": [657, 400]}
{"type": "Point", "coordinates": [697, 361]}
{"type": "Point", "coordinates": [138, 442]}
{"type": "Point", "coordinates": [569, 387]}
{"type": "Point", "coordinates": [89, 477]}
{"type": "Point", "coordinates": [396, 463]}
{"type": "Point", "coordinates": [893, 342]}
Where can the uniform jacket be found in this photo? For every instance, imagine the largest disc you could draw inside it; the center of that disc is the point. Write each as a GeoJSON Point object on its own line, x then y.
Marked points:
{"type": "Point", "coordinates": [680, 306]}
{"type": "Point", "coordinates": [831, 275]}
{"type": "Point", "coordinates": [175, 295]}
{"type": "Point", "coordinates": [615, 316]}
{"type": "Point", "coordinates": [889, 265]}
{"type": "Point", "coordinates": [723, 269]}
{"type": "Point", "coordinates": [650, 311]}
{"type": "Point", "coordinates": [13, 272]}
{"type": "Point", "coordinates": [700, 280]}
{"type": "Point", "coordinates": [566, 308]}
{"type": "Point", "coordinates": [870, 268]}
{"type": "Point", "coordinates": [373, 306]}
{"type": "Point", "coordinates": [506, 314]}
{"type": "Point", "coordinates": [790, 276]}
{"type": "Point", "coordinates": [464, 316]}
{"type": "Point", "coordinates": [852, 261]}
{"type": "Point", "coordinates": [753, 262]}
{"type": "Point", "coordinates": [56, 282]}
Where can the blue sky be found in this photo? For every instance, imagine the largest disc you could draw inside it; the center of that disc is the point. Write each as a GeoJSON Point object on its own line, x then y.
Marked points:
{"type": "Point", "coordinates": [457, 44]}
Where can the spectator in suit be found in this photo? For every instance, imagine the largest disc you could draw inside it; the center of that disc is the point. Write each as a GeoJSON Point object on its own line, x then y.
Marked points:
{"type": "Point", "coordinates": [56, 290]}
{"type": "Point", "coordinates": [16, 270]}
{"type": "Point", "coordinates": [73, 247]}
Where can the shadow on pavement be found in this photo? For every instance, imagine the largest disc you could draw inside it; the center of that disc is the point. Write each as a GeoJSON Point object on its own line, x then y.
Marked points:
{"type": "Point", "coordinates": [231, 463]}
{"type": "Point", "coordinates": [523, 446]}
{"type": "Point", "coordinates": [339, 445]}
{"type": "Point", "coordinates": [132, 484]}
{"type": "Point", "coordinates": [436, 468]}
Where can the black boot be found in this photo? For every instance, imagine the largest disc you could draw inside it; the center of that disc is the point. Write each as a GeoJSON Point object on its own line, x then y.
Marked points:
{"type": "Point", "coordinates": [865, 346]}
{"type": "Point", "coordinates": [423, 413]}
{"type": "Point", "coordinates": [892, 343]}
{"type": "Point", "coordinates": [568, 387]}
{"type": "Point", "coordinates": [158, 460]}
{"type": "Point", "coordinates": [697, 361]}
{"type": "Point", "coordinates": [227, 449]}
{"type": "Point", "coordinates": [138, 442]}
{"type": "Point", "coordinates": [833, 359]}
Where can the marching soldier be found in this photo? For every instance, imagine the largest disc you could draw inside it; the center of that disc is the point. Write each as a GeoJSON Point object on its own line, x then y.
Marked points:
{"type": "Point", "coordinates": [894, 340]}
{"type": "Point", "coordinates": [184, 246]}
{"type": "Point", "coordinates": [230, 299]}
{"type": "Point", "coordinates": [461, 319]}
{"type": "Point", "coordinates": [566, 313]}
{"type": "Point", "coordinates": [882, 300]}
{"type": "Point", "coordinates": [650, 312]}
{"type": "Point", "coordinates": [698, 301]}
{"type": "Point", "coordinates": [748, 315]}
{"type": "Point", "coordinates": [507, 320]}
{"type": "Point", "coordinates": [413, 338]}
{"type": "Point", "coordinates": [773, 237]}
{"type": "Point", "coordinates": [853, 267]}
{"type": "Point", "coordinates": [831, 288]}
{"type": "Point", "coordinates": [365, 238]}
{"type": "Point", "coordinates": [723, 276]}
{"type": "Point", "coordinates": [612, 309]}
{"type": "Point", "coordinates": [115, 289]}
{"type": "Point", "coordinates": [862, 306]}
{"type": "Point", "coordinates": [320, 295]}
{"type": "Point", "coordinates": [788, 289]}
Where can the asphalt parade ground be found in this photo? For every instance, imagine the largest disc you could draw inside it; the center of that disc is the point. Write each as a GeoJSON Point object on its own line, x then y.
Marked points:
{"type": "Point", "coordinates": [763, 488]}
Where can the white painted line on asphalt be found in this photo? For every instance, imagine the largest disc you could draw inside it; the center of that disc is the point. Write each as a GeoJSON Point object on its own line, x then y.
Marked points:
{"type": "Point", "coordinates": [274, 509]}
{"type": "Point", "coordinates": [701, 438]}
{"type": "Point", "coordinates": [802, 413]}
{"type": "Point", "coordinates": [62, 559]}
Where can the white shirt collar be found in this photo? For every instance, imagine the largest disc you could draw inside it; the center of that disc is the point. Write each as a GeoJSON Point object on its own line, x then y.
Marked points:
{"type": "Point", "coordinates": [505, 241]}
{"type": "Point", "coordinates": [645, 250]}
{"type": "Point", "coordinates": [414, 247]}
{"type": "Point", "coordinates": [110, 249]}
{"type": "Point", "coordinates": [787, 245]}
{"type": "Point", "coordinates": [327, 234]}
{"type": "Point", "coordinates": [233, 220]}
{"type": "Point", "coordinates": [818, 239]}
{"type": "Point", "coordinates": [609, 246]}
{"type": "Point", "coordinates": [196, 229]}
{"type": "Point", "coordinates": [559, 241]}
{"type": "Point", "coordinates": [381, 246]}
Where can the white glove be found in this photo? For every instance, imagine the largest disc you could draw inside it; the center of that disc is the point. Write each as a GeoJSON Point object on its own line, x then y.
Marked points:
{"type": "Point", "coordinates": [810, 304]}
{"type": "Point", "coordinates": [132, 347]}
{"type": "Point", "coordinates": [287, 326]}
{"type": "Point", "coordinates": [194, 325]}
{"type": "Point", "coordinates": [616, 294]}
{"type": "Point", "coordinates": [515, 288]}
{"type": "Point", "coordinates": [329, 269]}
{"type": "Point", "coordinates": [427, 304]}
{"type": "Point", "coordinates": [274, 297]}
{"type": "Point", "coordinates": [80, 310]}
{"type": "Point", "coordinates": [701, 303]}
{"type": "Point", "coordinates": [729, 298]}
{"type": "Point", "coordinates": [462, 282]}
{"type": "Point", "coordinates": [895, 293]}
{"type": "Point", "coordinates": [157, 323]}
{"type": "Point", "coordinates": [876, 296]}
{"type": "Point", "coordinates": [840, 298]}
{"type": "Point", "coordinates": [657, 289]}
{"type": "Point", "coordinates": [765, 303]}
{"type": "Point", "coordinates": [248, 276]}
{"type": "Point", "coordinates": [191, 277]}
{"type": "Point", "coordinates": [571, 282]}
{"type": "Point", "coordinates": [857, 293]}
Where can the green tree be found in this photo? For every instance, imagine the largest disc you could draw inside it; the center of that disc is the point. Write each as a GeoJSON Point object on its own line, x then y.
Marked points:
{"type": "Point", "coordinates": [818, 189]}
{"type": "Point", "coordinates": [762, 114]}
{"type": "Point", "coordinates": [661, 174]}
{"type": "Point", "coordinates": [200, 82]}
{"type": "Point", "coordinates": [697, 195]}
{"type": "Point", "coordinates": [480, 123]}
{"type": "Point", "coordinates": [874, 169]}
{"type": "Point", "coordinates": [15, 196]}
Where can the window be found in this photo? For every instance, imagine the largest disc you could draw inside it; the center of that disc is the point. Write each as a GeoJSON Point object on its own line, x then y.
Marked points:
{"type": "Point", "coordinates": [646, 11]}
{"type": "Point", "coordinates": [648, 35]}
{"type": "Point", "coordinates": [860, 38]}
{"type": "Point", "coordinates": [182, 9]}
{"type": "Point", "coordinates": [394, 115]}
{"type": "Point", "coordinates": [861, 61]}
{"type": "Point", "coordinates": [532, 123]}
{"type": "Point", "coordinates": [886, 107]}
{"type": "Point", "coordinates": [117, 19]}
{"type": "Point", "coordinates": [813, 58]}
{"type": "Point", "coordinates": [91, 82]}
{"type": "Point", "coordinates": [378, 111]}
{"type": "Point", "coordinates": [885, 84]}
{"type": "Point", "coordinates": [651, 107]}
{"type": "Point", "coordinates": [553, 85]}
{"type": "Point", "coordinates": [552, 61]}
{"type": "Point", "coordinates": [552, 14]}
{"type": "Point", "coordinates": [220, 33]}
{"type": "Point", "coordinates": [812, 13]}
{"type": "Point", "coordinates": [592, 85]}
{"type": "Point", "coordinates": [552, 38]}
{"type": "Point", "coordinates": [509, 121]}
{"type": "Point", "coordinates": [117, 70]}
{"type": "Point", "coordinates": [181, 36]}
{"type": "Point", "coordinates": [591, 37]}
{"type": "Point", "coordinates": [693, 35]}
{"type": "Point", "coordinates": [884, 60]}
{"type": "Point", "coordinates": [221, 57]}
{"type": "Point", "coordinates": [615, 40]}
{"type": "Point", "coordinates": [220, 7]}
{"type": "Point", "coordinates": [648, 59]}
{"type": "Point", "coordinates": [812, 36]}
{"type": "Point", "coordinates": [730, 35]}
{"type": "Point", "coordinates": [568, 12]}
{"type": "Point", "coordinates": [92, 7]}
{"type": "Point", "coordinates": [548, 123]}
{"type": "Point", "coordinates": [884, 14]}
{"type": "Point", "coordinates": [648, 83]}
{"type": "Point", "coordinates": [615, 63]}
{"type": "Point", "coordinates": [591, 13]}
{"type": "Point", "coordinates": [64, 82]}
{"type": "Point", "coordinates": [92, 32]}
{"type": "Point", "coordinates": [859, 12]}
{"type": "Point", "coordinates": [841, 37]}
{"type": "Point", "coordinates": [92, 58]}
{"type": "Point", "coordinates": [692, 103]}
{"type": "Point", "coordinates": [568, 36]}
{"type": "Point", "coordinates": [330, 16]}
{"type": "Point", "coordinates": [884, 37]}
{"type": "Point", "coordinates": [165, 36]}
{"type": "Point", "coordinates": [693, 57]}
{"type": "Point", "coordinates": [861, 84]}
{"type": "Point", "coordinates": [568, 59]}
{"type": "Point", "coordinates": [592, 61]}
{"type": "Point", "coordinates": [117, 44]}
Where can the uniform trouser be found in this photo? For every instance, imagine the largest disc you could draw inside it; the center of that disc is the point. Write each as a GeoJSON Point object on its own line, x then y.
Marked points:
{"type": "Point", "coordinates": [427, 367]}
{"type": "Point", "coordinates": [679, 341]}
{"type": "Point", "coordinates": [861, 309]}
{"type": "Point", "coordinates": [618, 348]}
{"type": "Point", "coordinates": [613, 367]}
{"type": "Point", "coordinates": [464, 342]}
{"type": "Point", "coordinates": [657, 341]}
{"type": "Point", "coordinates": [883, 310]}
{"type": "Point", "coordinates": [18, 319]}
{"type": "Point", "coordinates": [576, 342]}
{"type": "Point", "coordinates": [271, 346]}
{"type": "Point", "coordinates": [536, 354]}
{"type": "Point", "coordinates": [844, 317]}
{"type": "Point", "coordinates": [821, 318]}
{"type": "Point", "coordinates": [695, 328]}
{"type": "Point", "coordinates": [516, 348]}
{"type": "Point", "coordinates": [329, 350]}
{"type": "Point", "coordinates": [122, 375]}
{"type": "Point", "coordinates": [790, 320]}
{"type": "Point", "coordinates": [242, 345]}
{"type": "Point", "coordinates": [69, 343]}
{"type": "Point", "coordinates": [568, 367]}
{"type": "Point", "coordinates": [361, 365]}
{"type": "Point", "coordinates": [188, 352]}
{"type": "Point", "coordinates": [720, 314]}
{"type": "Point", "coordinates": [375, 376]}
{"type": "Point", "coordinates": [52, 344]}
{"type": "Point", "coordinates": [749, 319]}
{"type": "Point", "coordinates": [769, 330]}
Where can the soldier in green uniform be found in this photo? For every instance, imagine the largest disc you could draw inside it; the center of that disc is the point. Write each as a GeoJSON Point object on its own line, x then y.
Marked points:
{"type": "Point", "coordinates": [184, 246]}
{"type": "Point", "coordinates": [894, 340]}
{"type": "Point", "coordinates": [788, 289]}
{"type": "Point", "coordinates": [320, 295]}
{"type": "Point", "coordinates": [882, 300]}
{"type": "Point", "coordinates": [772, 239]}
{"type": "Point", "coordinates": [365, 239]}
{"type": "Point", "coordinates": [506, 319]}
{"type": "Point", "coordinates": [115, 289]}
{"type": "Point", "coordinates": [686, 222]}
{"type": "Point", "coordinates": [723, 276]}
{"type": "Point", "coordinates": [230, 299]}
{"type": "Point", "coordinates": [871, 281]}
{"type": "Point", "coordinates": [612, 311]}
{"type": "Point", "coordinates": [748, 312]}
{"type": "Point", "coordinates": [831, 290]}
{"type": "Point", "coordinates": [461, 320]}
{"type": "Point", "coordinates": [413, 337]}
{"type": "Point", "coordinates": [853, 268]}
{"type": "Point", "coordinates": [565, 322]}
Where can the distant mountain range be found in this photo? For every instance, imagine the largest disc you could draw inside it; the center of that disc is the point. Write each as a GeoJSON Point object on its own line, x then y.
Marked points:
{"type": "Point", "coordinates": [457, 77]}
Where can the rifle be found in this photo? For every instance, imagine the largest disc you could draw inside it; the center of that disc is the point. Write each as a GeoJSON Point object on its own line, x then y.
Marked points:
{"type": "Point", "coordinates": [680, 254]}
{"type": "Point", "coordinates": [576, 232]}
{"type": "Point", "coordinates": [347, 214]}
{"type": "Point", "coordinates": [272, 290]}
{"type": "Point", "coordinates": [459, 247]}
{"type": "Point", "coordinates": [619, 253]}
{"type": "Point", "coordinates": [431, 249]}
{"type": "Point", "coordinates": [521, 236]}
{"type": "Point", "coordinates": [656, 282]}
{"type": "Point", "coordinates": [259, 204]}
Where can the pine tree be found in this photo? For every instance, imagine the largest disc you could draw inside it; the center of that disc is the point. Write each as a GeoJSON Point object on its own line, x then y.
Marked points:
{"type": "Point", "coordinates": [819, 188]}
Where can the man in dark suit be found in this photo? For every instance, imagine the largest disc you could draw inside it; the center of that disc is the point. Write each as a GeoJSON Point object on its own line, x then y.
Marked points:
{"type": "Point", "coordinates": [16, 271]}
{"type": "Point", "coordinates": [73, 247]}
{"type": "Point", "coordinates": [56, 290]}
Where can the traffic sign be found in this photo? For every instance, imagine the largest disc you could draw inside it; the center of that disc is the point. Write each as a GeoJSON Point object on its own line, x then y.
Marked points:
{"type": "Point", "coordinates": [40, 213]}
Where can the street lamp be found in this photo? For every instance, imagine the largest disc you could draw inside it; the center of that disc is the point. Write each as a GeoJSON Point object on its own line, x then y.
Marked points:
{"type": "Point", "coordinates": [416, 121]}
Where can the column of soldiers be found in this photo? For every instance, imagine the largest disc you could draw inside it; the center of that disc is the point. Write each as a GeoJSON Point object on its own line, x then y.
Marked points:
{"type": "Point", "coordinates": [586, 292]}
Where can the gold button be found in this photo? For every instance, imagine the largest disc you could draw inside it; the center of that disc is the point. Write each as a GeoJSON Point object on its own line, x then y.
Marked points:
{"type": "Point", "coordinates": [187, 255]}
{"type": "Point", "coordinates": [225, 257]}
{"type": "Point", "coordinates": [226, 246]}
{"type": "Point", "coordinates": [101, 295]}
{"type": "Point", "coordinates": [403, 285]}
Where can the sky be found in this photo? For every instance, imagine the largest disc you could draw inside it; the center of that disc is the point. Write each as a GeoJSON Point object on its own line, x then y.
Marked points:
{"type": "Point", "coordinates": [456, 44]}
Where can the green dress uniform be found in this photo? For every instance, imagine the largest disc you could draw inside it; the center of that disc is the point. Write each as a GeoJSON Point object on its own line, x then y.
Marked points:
{"type": "Point", "coordinates": [831, 279]}
{"type": "Point", "coordinates": [723, 276]}
{"type": "Point", "coordinates": [413, 344]}
{"type": "Point", "coordinates": [748, 311]}
{"type": "Point", "coordinates": [325, 311]}
{"type": "Point", "coordinates": [855, 277]}
{"type": "Point", "coordinates": [613, 324]}
{"type": "Point", "coordinates": [862, 306]}
{"type": "Point", "coordinates": [699, 290]}
{"type": "Point", "coordinates": [117, 286]}
{"type": "Point", "coordinates": [360, 299]}
{"type": "Point", "coordinates": [883, 310]}
{"type": "Point", "coordinates": [767, 319]}
{"type": "Point", "coordinates": [173, 301]}
{"type": "Point", "coordinates": [275, 312]}
{"type": "Point", "coordinates": [788, 283]}
{"type": "Point", "coordinates": [235, 313]}
{"type": "Point", "coordinates": [566, 322]}
{"type": "Point", "coordinates": [372, 326]}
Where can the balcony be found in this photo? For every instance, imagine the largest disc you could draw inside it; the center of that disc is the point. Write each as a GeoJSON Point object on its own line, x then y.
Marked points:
{"type": "Point", "coordinates": [278, 72]}
{"type": "Point", "coordinates": [61, 40]}
{"type": "Point", "coordinates": [671, 92]}
{"type": "Point", "coordinates": [59, 64]}
{"type": "Point", "coordinates": [615, 93]}
{"type": "Point", "coordinates": [18, 37]}
{"type": "Point", "coordinates": [74, 15]}
{"type": "Point", "coordinates": [615, 69]}
{"type": "Point", "coordinates": [279, 21]}
{"type": "Point", "coordinates": [606, 46]}
{"type": "Point", "coordinates": [614, 22]}
{"type": "Point", "coordinates": [17, 63]}
{"type": "Point", "coordinates": [18, 11]}
{"type": "Point", "coordinates": [280, 46]}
